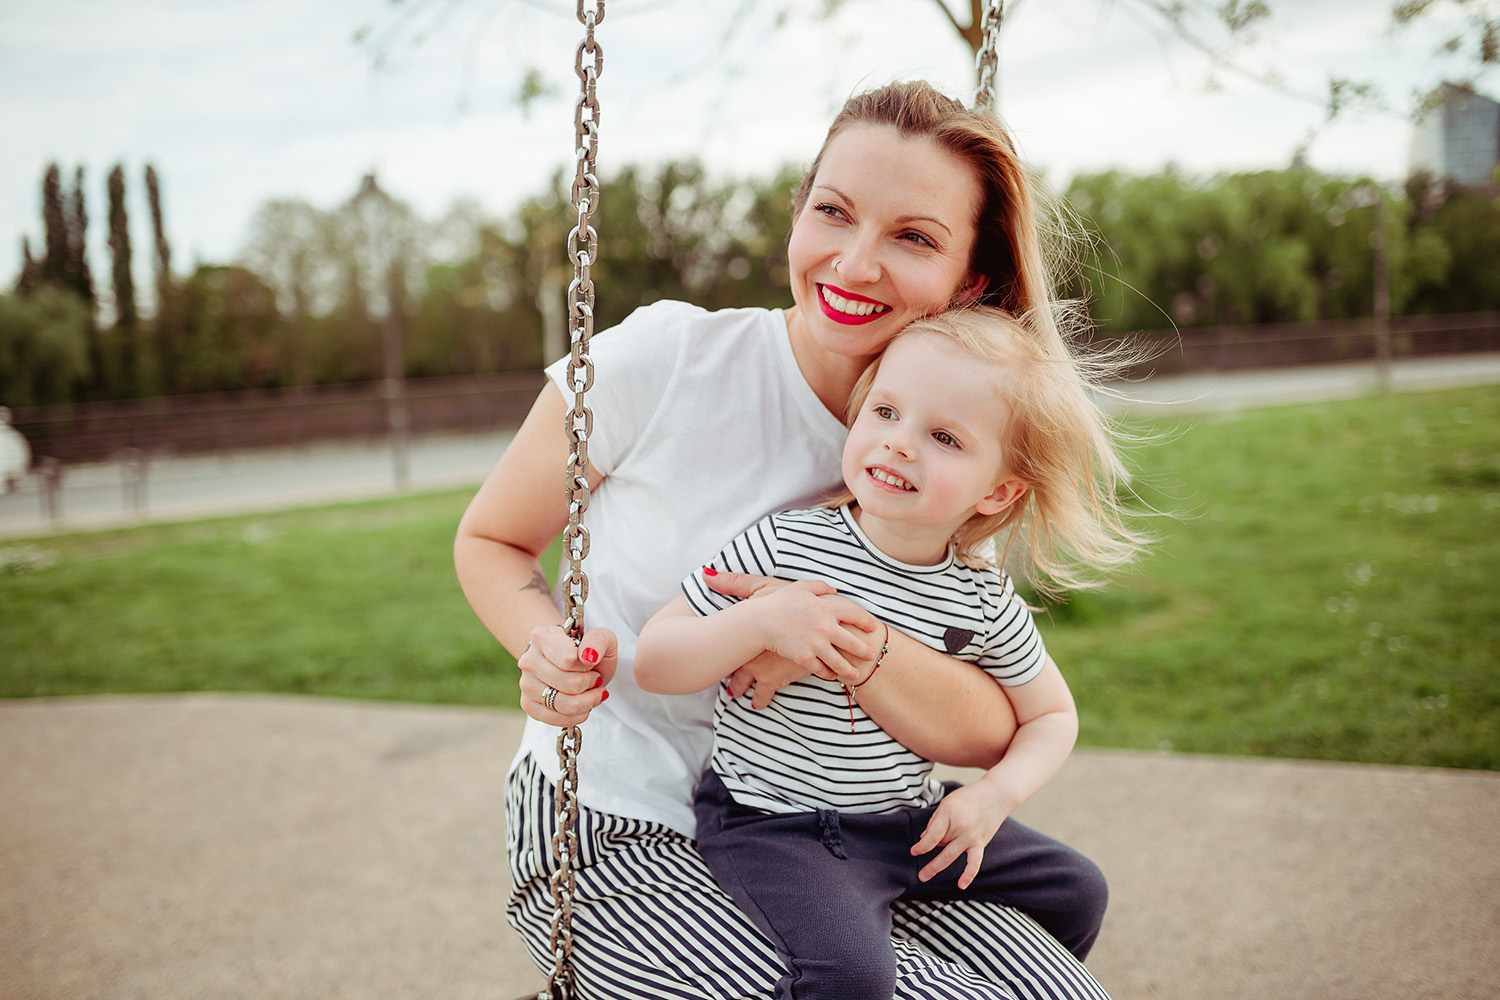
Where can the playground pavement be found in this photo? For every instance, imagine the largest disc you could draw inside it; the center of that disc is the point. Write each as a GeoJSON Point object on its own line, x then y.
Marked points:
{"type": "Point", "coordinates": [279, 848]}
{"type": "Point", "coordinates": [219, 846]}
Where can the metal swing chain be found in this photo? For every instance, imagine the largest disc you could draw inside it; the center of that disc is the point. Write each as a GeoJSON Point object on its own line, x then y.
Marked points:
{"type": "Point", "coordinates": [986, 60]}
{"type": "Point", "coordinates": [578, 424]}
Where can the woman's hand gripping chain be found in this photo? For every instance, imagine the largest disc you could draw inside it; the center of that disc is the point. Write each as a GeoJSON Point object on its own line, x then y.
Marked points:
{"type": "Point", "coordinates": [562, 682]}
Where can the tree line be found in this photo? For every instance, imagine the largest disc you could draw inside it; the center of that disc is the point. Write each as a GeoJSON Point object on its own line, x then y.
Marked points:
{"type": "Point", "coordinates": [1281, 246]}
{"type": "Point", "coordinates": [367, 288]}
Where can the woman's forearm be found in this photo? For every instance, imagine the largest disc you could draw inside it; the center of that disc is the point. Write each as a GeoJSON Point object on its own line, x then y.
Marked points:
{"type": "Point", "coordinates": [506, 588]}
{"type": "Point", "coordinates": [510, 522]}
{"type": "Point", "coordinates": [516, 514]}
{"type": "Point", "coordinates": [944, 709]}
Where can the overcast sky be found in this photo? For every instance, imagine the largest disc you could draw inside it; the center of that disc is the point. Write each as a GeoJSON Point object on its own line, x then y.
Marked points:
{"type": "Point", "coordinates": [239, 102]}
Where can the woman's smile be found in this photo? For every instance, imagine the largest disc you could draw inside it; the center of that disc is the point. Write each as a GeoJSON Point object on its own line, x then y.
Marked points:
{"type": "Point", "coordinates": [846, 307]}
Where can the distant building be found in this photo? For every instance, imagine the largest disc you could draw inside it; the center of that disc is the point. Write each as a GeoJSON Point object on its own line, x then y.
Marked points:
{"type": "Point", "coordinates": [1459, 140]}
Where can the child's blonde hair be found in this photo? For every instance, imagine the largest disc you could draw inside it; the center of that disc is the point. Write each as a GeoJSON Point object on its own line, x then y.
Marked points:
{"type": "Point", "coordinates": [1058, 442]}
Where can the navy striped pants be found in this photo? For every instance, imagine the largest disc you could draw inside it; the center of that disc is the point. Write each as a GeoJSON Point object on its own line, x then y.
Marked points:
{"type": "Point", "coordinates": [650, 922]}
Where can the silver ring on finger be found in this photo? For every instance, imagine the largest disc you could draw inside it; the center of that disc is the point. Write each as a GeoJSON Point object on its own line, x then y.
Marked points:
{"type": "Point", "coordinates": [549, 697]}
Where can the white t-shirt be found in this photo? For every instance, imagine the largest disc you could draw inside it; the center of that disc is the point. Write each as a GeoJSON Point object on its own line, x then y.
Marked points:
{"type": "Point", "coordinates": [813, 747]}
{"type": "Point", "coordinates": [703, 423]}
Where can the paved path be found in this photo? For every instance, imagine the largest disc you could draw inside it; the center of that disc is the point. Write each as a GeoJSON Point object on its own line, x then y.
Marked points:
{"type": "Point", "coordinates": [228, 847]}
{"type": "Point", "coordinates": [182, 488]}
{"type": "Point", "coordinates": [1239, 390]}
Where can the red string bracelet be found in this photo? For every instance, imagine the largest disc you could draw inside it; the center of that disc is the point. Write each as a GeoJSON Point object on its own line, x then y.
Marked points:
{"type": "Point", "coordinates": [849, 688]}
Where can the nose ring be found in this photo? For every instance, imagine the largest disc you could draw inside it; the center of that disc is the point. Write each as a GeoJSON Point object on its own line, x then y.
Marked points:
{"type": "Point", "coordinates": [836, 264]}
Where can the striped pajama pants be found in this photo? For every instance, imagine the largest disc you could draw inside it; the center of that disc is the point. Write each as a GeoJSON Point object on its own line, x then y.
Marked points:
{"type": "Point", "coordinates": [650, 922]}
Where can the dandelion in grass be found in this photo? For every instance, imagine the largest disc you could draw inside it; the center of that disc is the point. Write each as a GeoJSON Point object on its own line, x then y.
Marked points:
{"type": "Point", "coordinates": [257, 533]}
{"type": "Point", "coordinates": [18, 560]}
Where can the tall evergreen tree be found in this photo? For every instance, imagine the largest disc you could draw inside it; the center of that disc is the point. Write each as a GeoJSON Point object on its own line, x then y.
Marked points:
{"type": "Point", "coordinates": [63, 264]}
{"type": "Point", "coordinates": [119, 247]}
{"type": "Point", "coordinates": [168, 312]}
{"type": "Point", "coordinates": [163, 249]}
{"type": "Point", "coordinates": [31, 270]}
{"type": "Point", "coordinates": [55, 225]}
{"type": "Point", "coordinates": [80, 278]}
{"type": "Point", "coordinates": [126, 316]}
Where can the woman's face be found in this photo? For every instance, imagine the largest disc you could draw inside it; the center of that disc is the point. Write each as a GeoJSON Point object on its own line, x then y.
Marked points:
{"type": "Point", "coordinates": [884, 238]}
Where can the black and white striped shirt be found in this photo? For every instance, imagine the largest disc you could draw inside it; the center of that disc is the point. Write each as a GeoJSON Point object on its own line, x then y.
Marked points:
{"type": "Point", "coordinates": [798, 754]}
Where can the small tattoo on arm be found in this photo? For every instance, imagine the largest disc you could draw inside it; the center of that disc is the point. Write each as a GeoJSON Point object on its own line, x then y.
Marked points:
{"type": "Point", "coordinates": [538, 583]}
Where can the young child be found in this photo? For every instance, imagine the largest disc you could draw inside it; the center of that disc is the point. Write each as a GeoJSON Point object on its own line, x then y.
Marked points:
{"type": "Point", "coordinates": [810, 814]}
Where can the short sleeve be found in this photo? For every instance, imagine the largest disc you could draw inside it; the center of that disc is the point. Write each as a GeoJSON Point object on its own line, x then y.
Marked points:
{"type": "Point", "coordinates": [1013, 652]}
{"type": "Point", "coordinates": [634, 363]}
{"type": "Point", "coordinates": [752, 551]}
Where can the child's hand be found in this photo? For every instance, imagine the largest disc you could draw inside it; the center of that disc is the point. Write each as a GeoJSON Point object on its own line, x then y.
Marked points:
{"type": "Point", "coordinates": [807, 623]}
{"type": "Point", "coordinates": [856, 668]}
{"type": "Point", "coordinates": [768, 673]}
{"type": "Point", "coordinates": [963, 823]}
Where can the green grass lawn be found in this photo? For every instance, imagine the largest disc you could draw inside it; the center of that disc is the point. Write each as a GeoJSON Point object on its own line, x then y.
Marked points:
{"type": "Point", "coordinates": [1329, 589]}
{"type": "Point", "coordinates": [355, 600]}
{"type": "Point", "coordinates": [1328, 586]}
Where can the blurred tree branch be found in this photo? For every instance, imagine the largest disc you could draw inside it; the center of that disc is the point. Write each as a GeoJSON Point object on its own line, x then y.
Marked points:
{"type": "Point", "coordinates": [1223, 31]}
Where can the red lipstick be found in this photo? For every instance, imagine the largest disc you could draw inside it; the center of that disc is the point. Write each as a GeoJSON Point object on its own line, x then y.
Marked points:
{"type": "Point", "coordinates": [845, 318]}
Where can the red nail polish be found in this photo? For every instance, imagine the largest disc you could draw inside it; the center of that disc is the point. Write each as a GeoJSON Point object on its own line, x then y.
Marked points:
{"type": "Point", "coordinates": [605, 698]}
{"type": "Point", "coordinates": [597, 682]}
{"type": "Point", "coordinates": [590, 655]}
{"type": "Point", "coordinates": [710, 571]}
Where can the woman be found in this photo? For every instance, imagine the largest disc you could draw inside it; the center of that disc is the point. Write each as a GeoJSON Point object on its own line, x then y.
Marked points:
{"type": "Point", "coordinates": [705, 422]}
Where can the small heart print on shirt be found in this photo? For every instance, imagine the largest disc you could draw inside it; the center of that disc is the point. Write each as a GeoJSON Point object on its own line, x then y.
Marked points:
{"type": "Point", "coordinates": [956, 639]}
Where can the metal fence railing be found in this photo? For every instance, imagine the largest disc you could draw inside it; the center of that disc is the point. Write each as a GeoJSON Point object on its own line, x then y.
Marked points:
{"type": "Point", "coordinates": [216, 423]}
{"type": "Point", "coordinates": [1288, 345]}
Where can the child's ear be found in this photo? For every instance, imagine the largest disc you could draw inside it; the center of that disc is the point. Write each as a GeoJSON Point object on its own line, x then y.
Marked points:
{"type": "Point", "coordinates": [1005, 494]}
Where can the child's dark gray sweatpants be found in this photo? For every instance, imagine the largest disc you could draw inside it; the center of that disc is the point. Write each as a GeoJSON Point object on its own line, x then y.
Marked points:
{"type": "Point", "coordinates": [820, 885]}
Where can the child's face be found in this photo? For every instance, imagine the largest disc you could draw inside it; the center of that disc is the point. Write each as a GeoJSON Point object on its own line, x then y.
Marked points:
{"type": "Point", "coordinates": [925, 448]}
